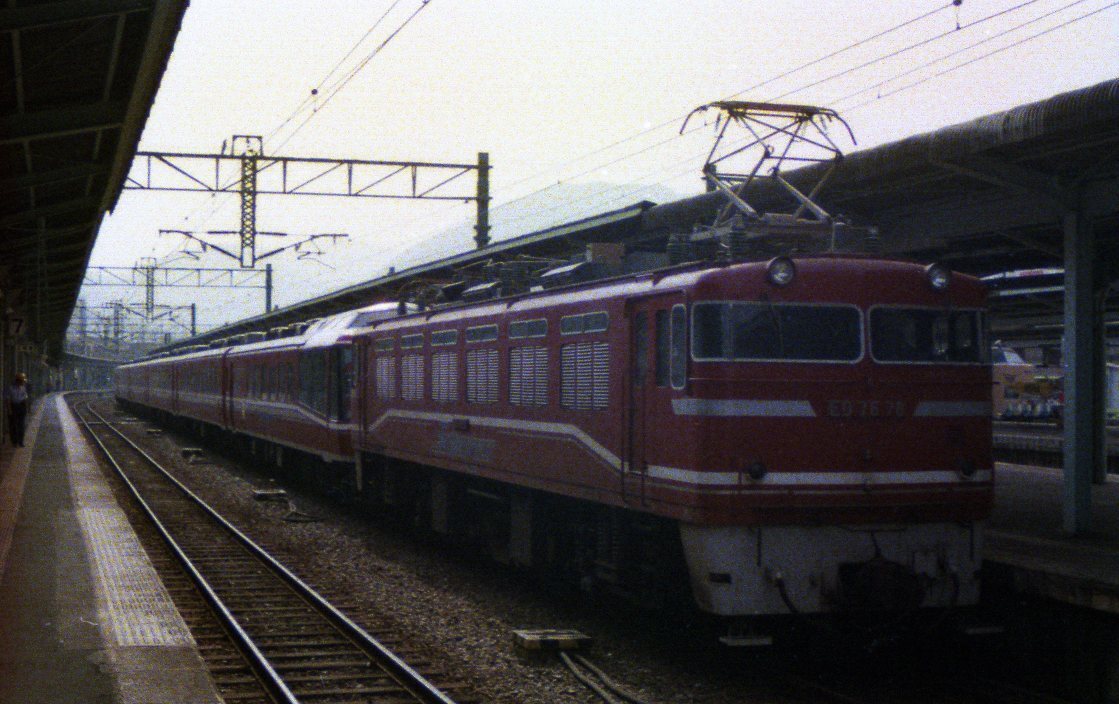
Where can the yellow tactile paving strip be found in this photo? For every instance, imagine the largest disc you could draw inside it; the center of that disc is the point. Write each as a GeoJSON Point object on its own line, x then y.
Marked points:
{"type": "Point", "coordinates": [134, 607]}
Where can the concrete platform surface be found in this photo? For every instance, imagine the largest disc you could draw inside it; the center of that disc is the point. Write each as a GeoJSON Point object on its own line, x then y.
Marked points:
{"type": "Point", "coordinates": [1025, 534]}
{"type": "Point", "coordinates": [83, 615]}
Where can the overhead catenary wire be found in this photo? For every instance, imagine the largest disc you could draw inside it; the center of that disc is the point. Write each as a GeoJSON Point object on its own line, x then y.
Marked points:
{"type": "Point", "coordinates": [877, 60]}
{"type": "Point", "coordinates": [311, 98]}
{"type": "Point", "coordinates": [990, 54]}
{"type": "Point", "coordinates": [945, 57]}
{"type": "Point", "coordinates": [331, 91]}
{"type": "Point", "coordinates": [337, 88]}
{"type": "Point", "coordinates": [862, 42]}
{"type": "Point", "coordinates": [906, 49]}
{"type": "Point", "coordinates": [790, 72]}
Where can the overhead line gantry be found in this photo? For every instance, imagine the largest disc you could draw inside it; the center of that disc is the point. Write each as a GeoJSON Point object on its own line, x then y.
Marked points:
{"type": "Point", "coordinates": [246, 170]}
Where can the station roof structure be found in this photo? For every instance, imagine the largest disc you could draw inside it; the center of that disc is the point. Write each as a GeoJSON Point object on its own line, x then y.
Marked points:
{"type": "Point", "coordinates": [985, 197]}
{"type": "Point", "coordinates": [77, 81]}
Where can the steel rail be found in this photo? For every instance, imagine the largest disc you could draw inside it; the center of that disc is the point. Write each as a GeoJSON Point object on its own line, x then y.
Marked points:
{"type": "Point", "coordinates": [404, 675]}
{"type": "Point", "coordinates": [267, 676]}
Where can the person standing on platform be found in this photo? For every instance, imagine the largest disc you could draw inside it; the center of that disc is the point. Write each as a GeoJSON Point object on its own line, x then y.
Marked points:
{"type": "Point", "coordinates": [16, 398]}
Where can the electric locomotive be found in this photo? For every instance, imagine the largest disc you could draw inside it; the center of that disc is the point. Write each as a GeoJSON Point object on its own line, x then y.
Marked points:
{"type": "Point", "coordinates": [808, 434]}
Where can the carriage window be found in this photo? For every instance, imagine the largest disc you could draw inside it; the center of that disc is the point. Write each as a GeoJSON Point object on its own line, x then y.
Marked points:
{"type": "Point", "coordinates": [444, 337]}
{"type": "Point", "coordinates": [409, 342]}
{"type": "Point", "coordinates": [586, 322]}
{"type": "Point", "coordinates": [927, 335]}
{"type": "Point", "coordinates": [312, 380]}
{"type": "Point", "coordinates": [775, 331]}
{"type": "Point", "coordinates": [481, 333]}
{"type": "Point", "coordinates": [528, 328]}
{"type": "Point", "coordinates": [344, 382]}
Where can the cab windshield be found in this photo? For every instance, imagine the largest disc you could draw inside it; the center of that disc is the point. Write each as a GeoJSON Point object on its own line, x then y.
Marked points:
{"type": "Point", "coordinates": [928, 335]}
{"type": "Point", "coordinates": [756, 331]}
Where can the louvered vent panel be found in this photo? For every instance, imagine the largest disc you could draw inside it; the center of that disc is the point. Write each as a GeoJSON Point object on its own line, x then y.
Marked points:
{"type": "Point", "coordinates": [481, 376]}
{"type": "Point", "coordinates": [585, 376]}
{"type": "Point", "coordinates": [444, 377]}
{"type": "Point", "coordinates": [386, 378]}
{"type": "Point", "coordinates": [412, 378]}
{"type": "Point", "coordinates": [528, 376]}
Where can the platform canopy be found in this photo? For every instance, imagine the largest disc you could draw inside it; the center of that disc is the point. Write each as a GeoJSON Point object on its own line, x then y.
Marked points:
{"type": "Point", "coordinates": [77, 80]}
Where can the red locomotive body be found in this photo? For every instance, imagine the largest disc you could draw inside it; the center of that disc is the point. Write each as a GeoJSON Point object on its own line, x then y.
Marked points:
{"type": "Point", "coordinates": [796, 436]}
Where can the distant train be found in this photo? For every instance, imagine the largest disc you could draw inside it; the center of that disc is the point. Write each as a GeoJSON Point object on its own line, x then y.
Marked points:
{"type": "Point", "coordinates": [806, 434]}
{"type": "Point", "coordinates": [1023, 391]}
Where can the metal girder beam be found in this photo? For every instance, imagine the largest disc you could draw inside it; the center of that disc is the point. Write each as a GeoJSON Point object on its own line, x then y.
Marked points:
{"type": "Point", "coordinates": [49, 211]}
{"type": "Point", "coordinates": [48, 236]}
{"type": "Point", "coordinates": [174, 277]}
{"type": "Point", "coordinates": [1034, 244]}
{"type": "Point", "coordinates": [281, 175]}
{"type": "Point", "coordinates": [1006, 174]}
{"type": "Point", "coordinates": [1101, 197]}
{"type": "Point", "coordinates": [938, 223]}
{"type": "Point", "coordinates": [61, 122]}
{"type": "Point", "coordinates": [1005, 321]}
{"type": "Point", "coordinates": [26, 17]}
{"type": "Point", "coordinates": [46, 178]}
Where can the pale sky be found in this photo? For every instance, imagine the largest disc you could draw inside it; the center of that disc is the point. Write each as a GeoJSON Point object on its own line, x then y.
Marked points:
{"type": "Point", "coordinates": [564, 91]}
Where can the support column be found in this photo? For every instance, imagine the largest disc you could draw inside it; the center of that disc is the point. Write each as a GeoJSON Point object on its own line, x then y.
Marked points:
{"type": "Point", "coordinates": [248, 211]}
{"type": "Point", "coordinates": [482, 238]}
{"type": "Point", "coordinates": [1080, 455]}
{"type": "Point", "coordinates": [1099, 376]}
{"type": "Point", "coordinates": [267, 288]}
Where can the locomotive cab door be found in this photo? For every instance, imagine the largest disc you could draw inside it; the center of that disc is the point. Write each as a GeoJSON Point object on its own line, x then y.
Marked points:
{"type": "Point", "coordinates": [651, 385]}
{"type": "Point", "coordinates": [634, 463]}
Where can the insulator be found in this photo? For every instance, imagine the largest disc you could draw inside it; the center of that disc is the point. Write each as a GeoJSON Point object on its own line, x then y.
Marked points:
{"type": "Point", "coordinates": [679, 250]}
{"type": "Point", "coordinates": [738, 244]}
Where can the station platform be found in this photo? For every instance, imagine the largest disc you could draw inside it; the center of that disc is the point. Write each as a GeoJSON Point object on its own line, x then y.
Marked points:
{"type": "Point", "coordinates": [83, 615]}
{"type": "Point", "coordinates": [1025, 536]}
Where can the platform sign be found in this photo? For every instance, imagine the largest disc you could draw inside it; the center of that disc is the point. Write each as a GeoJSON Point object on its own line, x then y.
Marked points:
{"type": "Point", "coordinates": [17, 326]}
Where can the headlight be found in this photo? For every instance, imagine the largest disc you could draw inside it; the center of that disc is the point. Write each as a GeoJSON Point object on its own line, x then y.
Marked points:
{"type": "Point", "coordinates": [939, 276]}
{"type": "Point", "coordinates": [756, 470]}
{"type": "Point", "coordinates": [781, 271]}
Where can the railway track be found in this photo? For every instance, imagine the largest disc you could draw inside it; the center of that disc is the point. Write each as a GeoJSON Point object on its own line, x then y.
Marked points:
{"type": "Point", "coordinates": [290, 642]}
